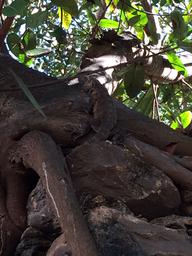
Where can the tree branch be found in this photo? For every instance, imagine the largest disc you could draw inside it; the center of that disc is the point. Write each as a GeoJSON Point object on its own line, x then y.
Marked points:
{"type": "Point", "coordinates": [151, 27]}
{"type": "Point", "coordinates": [5, 29]}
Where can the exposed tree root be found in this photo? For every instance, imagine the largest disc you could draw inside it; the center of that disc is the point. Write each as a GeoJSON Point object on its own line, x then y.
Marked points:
{"type": "Point", "coordinates": [37, 151]}
{"type": "Point", "coordinates": [13, 198]}
{"type": "Point", "coordinates": [179, 174]}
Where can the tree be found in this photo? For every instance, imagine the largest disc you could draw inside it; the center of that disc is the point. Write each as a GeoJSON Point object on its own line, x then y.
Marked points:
{"type": "Point", "coordinates": [67, 141]}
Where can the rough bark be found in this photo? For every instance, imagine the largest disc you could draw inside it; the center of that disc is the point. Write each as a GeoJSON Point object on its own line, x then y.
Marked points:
{"type": "Point", "coordinates": [135, 236]}
{"type": "Point", "coordinates": [117, 173]}
{"type": "Point", "coordinates": [52, 170]}
{"type": "Point", "coordinates": [76, 115]}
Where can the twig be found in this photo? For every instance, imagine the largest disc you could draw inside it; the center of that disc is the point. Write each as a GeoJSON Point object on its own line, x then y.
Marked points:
{"type": "Point", "coordinates": [102, 14]}
{"type": "Point", "coordinates": [188, 85]}
{"type": "Point", "coordinates": [156, 103]}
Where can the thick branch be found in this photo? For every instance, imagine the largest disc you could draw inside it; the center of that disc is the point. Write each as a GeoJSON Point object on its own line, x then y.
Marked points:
{"type": "Point", "coordinates": [151, 131]}
{"type": "Point", "coordinates": [151, 27]}
{"type": "Point", "coordinates": [14, 192]}
{"type": "Point", "coordinates": [73, 113]}
{"type": "Point", "coordinates": [104, 55]}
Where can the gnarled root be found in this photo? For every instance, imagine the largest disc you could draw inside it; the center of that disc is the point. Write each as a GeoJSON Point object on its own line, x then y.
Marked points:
{"type": "Point", "coordinates": [37, 151]}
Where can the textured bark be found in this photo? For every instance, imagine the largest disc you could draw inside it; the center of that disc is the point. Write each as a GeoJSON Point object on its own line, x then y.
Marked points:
{"type": "Point", "coordinates": [180, 175]}
{"type": "Point", "coordinates": [76, 115]}
{"type": "Point", "coordinates": [135, 237]}
{"type": "Point", "coordinates": [52, 170]}
{"type": "Point", "coordinates": [117, 173]}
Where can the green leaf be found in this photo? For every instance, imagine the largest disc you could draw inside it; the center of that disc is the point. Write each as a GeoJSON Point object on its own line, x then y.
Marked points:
{"type": "Point", "coordinates": [120, 91]}
{"type": "Point", "coordinates": [178, 1]}
{"type": "Point", "coordinates": [36, 19]}
{"type": "Point", "coordinates": [154, 36]}
{"type": "Point", "coordinates": [25, 89]}
{"type": "Point", "coordinates": [29, 40]}
{"type": "Point", "coordinates": [65, 18]}
{"type": "Point", "coordinates": [112, 4]}
{"type": "Point", "coordinates": [119, 73]}
{"type": "Point", "coordinates": [143, 19]}
{"type": "Point", "coordinates": [167, 93]}
{"type": "Point", "coordinates": [14, 44]}
{"type": "Point", "coordinates": [184, 119]}
{"type": "Point", "coordinates": [175, 125]}
{"type": "Point", "coordinates": [37, 52]}
{"type": "Point", "coordinates": [133, 20]}
{"type": "Point", "coordinates": [105, 23]}
{"type": "Point", "coordinates": [188, 17]}
{"type": "Point", "coordinates": [145, 103]}
{"type": "Point", "coordinates": [139, 77]}
{"type": "Point", "coordinates": [163, 2]}
{"type": "Point", "coordinates": [23, 58]}
{"type": "Point", "coordinates": [134, 80]}
{"type": "Point", "coordinates": [60, 35]}
{"type": "Point", "coordinates": [68, 6]}
{"type": "Point", "coordinates": [124, 5]}
{"type": "Point", "coordinates": [176, 63]}
{"type": "Point", "coordinates": [17, 7]}
{"type": "Point", "coordinates": [186, 45]}
{"type": "Point", "coordinates": [129, 80]}
{"type": "Point", "coordinates": [138, 18]}
{"type": "Point", "coordinates": [178, 24]}
{"type": "Point", "coordinates": [91, 17]}
{"type": "Point", "coordinates": [155, 2]}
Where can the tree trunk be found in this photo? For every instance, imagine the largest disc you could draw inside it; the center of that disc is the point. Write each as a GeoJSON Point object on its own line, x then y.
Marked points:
{"type": "Point", "coordinates": [89, 151]}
